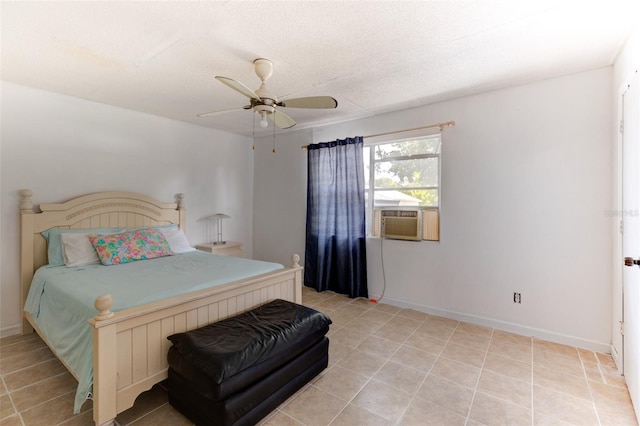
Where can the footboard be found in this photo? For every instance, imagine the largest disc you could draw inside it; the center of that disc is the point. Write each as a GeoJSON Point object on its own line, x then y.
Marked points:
{"type": "Point", "coordinates": [130, 346]}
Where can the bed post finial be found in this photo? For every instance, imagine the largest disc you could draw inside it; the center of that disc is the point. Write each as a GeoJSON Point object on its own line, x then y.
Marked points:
{"type": "Point", "coordinates": [103, 304]}
{"type": "Point", "coordinates": [26, 205]}
{"type": "Point", "coordinates": [180, 201]}
{"type": "Point", "coordinates": [294, 260]}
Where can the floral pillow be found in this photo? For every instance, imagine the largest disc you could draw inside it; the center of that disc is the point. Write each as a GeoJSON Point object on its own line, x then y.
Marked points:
{"type": "Point", "coordinates": [138, 244]}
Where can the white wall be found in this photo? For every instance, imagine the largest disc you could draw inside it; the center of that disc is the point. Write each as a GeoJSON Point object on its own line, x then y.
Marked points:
{"type": "Point", "coordinates": [526, 182]}
{"type": "Point", "coordinates": [62, 147]}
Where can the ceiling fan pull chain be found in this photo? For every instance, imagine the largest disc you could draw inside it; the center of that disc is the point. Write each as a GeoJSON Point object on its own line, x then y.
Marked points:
{"type": "Point", "coordinates": [253, 134]}
{"type": "Point", "coordinates": [274, 134]}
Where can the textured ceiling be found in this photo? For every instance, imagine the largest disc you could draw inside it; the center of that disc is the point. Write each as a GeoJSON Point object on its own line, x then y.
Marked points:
{"type": "Point", "coordinates": [372, 56]}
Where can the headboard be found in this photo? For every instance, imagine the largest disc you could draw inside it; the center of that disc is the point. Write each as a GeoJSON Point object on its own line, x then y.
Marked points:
{"type": "Point", "coordinates": [99, 210]}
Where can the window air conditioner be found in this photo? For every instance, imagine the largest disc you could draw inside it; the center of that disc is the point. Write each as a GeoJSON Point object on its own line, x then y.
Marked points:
{"type": "Point", "coordinates": [404, 224]}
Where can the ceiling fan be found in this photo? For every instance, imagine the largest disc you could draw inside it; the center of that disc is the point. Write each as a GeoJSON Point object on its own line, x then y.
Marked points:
{"type": "Point", "coordinates": [265, 103]}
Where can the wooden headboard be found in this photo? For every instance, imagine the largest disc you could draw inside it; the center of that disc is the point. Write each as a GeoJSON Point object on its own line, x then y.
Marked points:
{"type": "Point", "coordinates": [100, 210]}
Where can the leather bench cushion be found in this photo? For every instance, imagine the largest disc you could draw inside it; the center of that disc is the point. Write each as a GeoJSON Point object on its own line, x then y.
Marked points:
{"type": "Point", "coordinates": [225, 356]}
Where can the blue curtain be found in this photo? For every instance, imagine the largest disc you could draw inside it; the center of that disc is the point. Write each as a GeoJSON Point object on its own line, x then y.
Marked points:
{"type": "Point", "coordinates": [335, 253]}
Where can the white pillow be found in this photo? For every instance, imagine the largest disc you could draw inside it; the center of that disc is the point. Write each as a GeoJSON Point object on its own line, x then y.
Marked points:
{"type": "Point", "coordinates": [77, 249]}
{"type": "Point", "coordinates": [177, 240]}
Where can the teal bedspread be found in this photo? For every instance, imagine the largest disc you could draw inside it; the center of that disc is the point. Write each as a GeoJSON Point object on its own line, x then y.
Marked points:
{"type": "Point", "coordinates": [61, 299]}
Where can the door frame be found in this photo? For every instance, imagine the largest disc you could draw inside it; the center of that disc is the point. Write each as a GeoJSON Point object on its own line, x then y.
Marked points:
{"type": "Point", "coordinates": [617, 310]}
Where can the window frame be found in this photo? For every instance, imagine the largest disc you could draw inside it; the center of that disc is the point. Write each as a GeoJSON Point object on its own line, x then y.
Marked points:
{"type": "Point", "coordinates": [372, 161]}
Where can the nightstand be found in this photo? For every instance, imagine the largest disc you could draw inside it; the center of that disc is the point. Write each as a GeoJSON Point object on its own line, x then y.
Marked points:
{"type": "Point", "coordinates": [230, 248]}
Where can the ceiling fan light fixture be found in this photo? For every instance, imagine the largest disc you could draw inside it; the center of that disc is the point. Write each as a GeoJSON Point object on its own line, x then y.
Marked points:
{"type": "Point", "coordinates": [263, 119]}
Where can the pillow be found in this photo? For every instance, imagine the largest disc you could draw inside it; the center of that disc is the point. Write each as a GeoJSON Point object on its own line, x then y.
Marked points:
{"type": "Point", "coordinates": [77, 250]}
{"type": "Point", "coordinates": [177, 240]}
{"type": "Point", "coordinates": [54, 245]}
{"type": "Point", "coordinates": [138, 244]}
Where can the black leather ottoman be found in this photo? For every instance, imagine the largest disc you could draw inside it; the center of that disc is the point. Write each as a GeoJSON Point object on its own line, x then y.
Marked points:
{"type": "Point", "coordinates": [238, 370]}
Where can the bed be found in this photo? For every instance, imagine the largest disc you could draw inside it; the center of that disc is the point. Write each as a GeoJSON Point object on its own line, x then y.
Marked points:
{"type": "Point", "coordinates": [129, 345]}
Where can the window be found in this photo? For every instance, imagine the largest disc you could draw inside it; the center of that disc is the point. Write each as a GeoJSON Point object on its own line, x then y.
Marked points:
{"type": "Point", "coordinates": [405, 173]}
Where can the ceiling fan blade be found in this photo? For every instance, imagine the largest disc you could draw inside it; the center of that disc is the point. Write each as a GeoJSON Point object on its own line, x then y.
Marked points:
{"type": "Point", "coordinates": [282, 120]}
{"type": "Point", "coordinates": [209, 114]}
{"type": "Point", "coordinates": [238, 87]}
{"type": "Point", "coordinates": [310, 102]}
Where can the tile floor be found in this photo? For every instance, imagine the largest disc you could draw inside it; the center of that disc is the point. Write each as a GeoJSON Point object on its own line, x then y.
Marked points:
{"type": "Point", "coordinates": [387, 366]}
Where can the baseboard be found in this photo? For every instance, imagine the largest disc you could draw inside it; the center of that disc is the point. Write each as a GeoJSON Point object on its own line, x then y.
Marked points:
{"type": "Point", "coordinates": [616, 358]}
{"type": "Point", "coordinates": [9, 331]}
{"type": "Point", "coordinates": [507, 326]}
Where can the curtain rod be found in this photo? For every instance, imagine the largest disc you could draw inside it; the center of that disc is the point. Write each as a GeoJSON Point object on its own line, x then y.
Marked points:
{"type": "Point", "coordinates": [430, 126]}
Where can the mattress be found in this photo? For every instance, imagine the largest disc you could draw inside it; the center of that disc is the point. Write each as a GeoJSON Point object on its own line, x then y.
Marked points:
{"type": "Point", "coordinates": [61, 299]}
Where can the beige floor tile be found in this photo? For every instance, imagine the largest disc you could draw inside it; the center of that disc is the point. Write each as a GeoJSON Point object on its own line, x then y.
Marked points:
{"type": "Point", "coordinates": [19, 362]}
{"type": "Point", "coordinates": [376, 316]}
{"type": "Point", "coordinates": [609, 398]}
{"type": "Point", "coordinates": [511, 338]}
{"type": "Point", "coordinates": [388, 309]}
{"type": "Point", "coordinates": [347, 336]}
{"type": "Point", "coordinates": [442, 331]}
{"type": "Point", "coordinates": [587, 356]}
{"type": "Point", "coordinates": [414, 358]}
{"type": "Point", "coordinates": [540, 419]}
{"type": "Point", "coordinates": [508, 367]}
{"type": "Point", "coordinates": [612, 376]}
{"type": "Point", "coordinates": [464, 354]}
{"type": "Point", "coordinates": [166, 415]}
{"type": "Point", "coordinates": [506, 388]}
{"type": "Point", "coordinates": [493, 411]}
{"type": "Point", "coordinates": [50, 412]}
{"type": "Point", "coordinates": [560, 382]}
{"type": "Point", "coordinates": [314, 407]}
{"type": "Point", "coordinates": [456, 372]}
{"type": "Point", "coordinates": [353, 415]}
{"type": "Point", "coordinates": [6, 407]}
{"type": "Point", "coordinates": [593, 373]}
{"type": "Point", "coordinates": [558, 362]}
{"type": "Point", "coordinates": [36, 373]}
{"type": "Point", "coordinates": [623, 417]}
{"type": "Point", "coordinates": [383, 400]}
{"type": "Point", "coordinates": [11, 421]}
{"type": "Point", "coordinates": [415, 315]}
{"type": "Point", "coordinates": [564, 407]}
{"type": "Point", "coordinates": [393, 333]}
{"type": "Point", "coordinates": [20, 348]}
{"type": "Point", "coordinates": [446, 394]}
{"type": "Point", "coordinates": [404, 324]}
{"type": "Point", "coordinates": [280, 419]}
{"type": "Point", "coordinates": [441, 322]}
{"type": "Point", "coordinates": [376, 345]}
{"type": "Point", "coordinates": [425, 413]}
{"type": "Point", "coordinates": [338, 351]}
{"type": "Point", "coordinates": [363, 325]}
{"type": "Point", "coordinates": [341, 382]}
{"type": "Point", "coordinates": [3, 389]}
{"type": "Point", "coordinates": [522, 353]}
{"type": "Point", "coordinates": [555, 348]}
{"type": "Point", "coordinates": [400, 377]}
{"type": "Point", "coordinates": [475, 341]}
{"type": "Point", "coordinates": [605, 359]}
{"type": "Point", "coordinates": [82, 419]}
{"type": "Point", "coordinates": [364, 363]}
{"type": "Point", "coordinates": [425, 342]}
{"type": "Point", "coordinates": [45, 390]}
{"type": "Point", "coordinates": [475, 329]}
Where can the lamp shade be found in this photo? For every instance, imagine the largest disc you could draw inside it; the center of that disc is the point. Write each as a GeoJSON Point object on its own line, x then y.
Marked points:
{"type": "Point", "coordinates": [218, 219]}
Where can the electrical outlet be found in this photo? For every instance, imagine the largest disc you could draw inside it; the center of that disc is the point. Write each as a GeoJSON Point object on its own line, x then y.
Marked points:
{"type": "Point", "coordinates": [517, 297]}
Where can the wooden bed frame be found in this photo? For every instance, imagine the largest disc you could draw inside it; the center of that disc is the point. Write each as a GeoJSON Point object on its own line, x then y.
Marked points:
{"type": "Point", "coordinates": [130, 346]}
